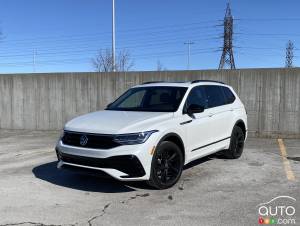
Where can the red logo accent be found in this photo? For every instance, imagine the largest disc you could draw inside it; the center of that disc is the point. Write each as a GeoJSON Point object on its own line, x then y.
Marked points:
{"type": "Point", "coordinates": [260, 220]}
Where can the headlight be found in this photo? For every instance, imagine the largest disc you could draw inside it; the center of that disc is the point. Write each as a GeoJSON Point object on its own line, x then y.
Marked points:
{"type": "Point", "coordinates": [133, 138]}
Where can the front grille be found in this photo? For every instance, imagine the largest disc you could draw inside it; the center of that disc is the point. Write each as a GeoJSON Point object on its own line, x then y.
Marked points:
{"type": "Point", "coordinates": [97, 141]}
{"type": "Point", "coordinates": [128, 164]}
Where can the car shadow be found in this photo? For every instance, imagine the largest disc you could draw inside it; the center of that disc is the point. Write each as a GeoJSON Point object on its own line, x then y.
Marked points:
{"type": "Point", "coordinates": [197, 162]}
{"type": "Point", "coordinates": [81, 180]}
{"type": "Point", "coordinates": [203, 160]}
{"type": "Point", "coordinates": [92, 180]}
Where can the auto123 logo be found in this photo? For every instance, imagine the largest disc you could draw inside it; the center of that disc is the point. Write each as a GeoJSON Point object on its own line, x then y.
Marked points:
{"type": "Point", "coordinates": [279, 210]}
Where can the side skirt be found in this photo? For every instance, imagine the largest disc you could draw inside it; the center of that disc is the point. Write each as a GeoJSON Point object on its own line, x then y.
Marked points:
{"type": "Point", "coordinates": [210, 144]}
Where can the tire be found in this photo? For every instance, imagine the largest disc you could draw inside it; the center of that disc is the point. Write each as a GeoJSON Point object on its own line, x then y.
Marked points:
{"type": "Point", "coordinates": [236, 144]}
{"type": "Point", "coordinates": [167, 165]}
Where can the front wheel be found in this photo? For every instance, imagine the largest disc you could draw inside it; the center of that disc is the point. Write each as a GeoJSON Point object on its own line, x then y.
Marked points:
{"type": "Point", "coordinates": [167, 164]}
{"type": "Point", "coordinates": [236, 144]}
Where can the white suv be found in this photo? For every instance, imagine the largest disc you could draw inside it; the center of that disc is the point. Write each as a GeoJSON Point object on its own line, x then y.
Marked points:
{"type": "Point", "coordinates": [154, 129]}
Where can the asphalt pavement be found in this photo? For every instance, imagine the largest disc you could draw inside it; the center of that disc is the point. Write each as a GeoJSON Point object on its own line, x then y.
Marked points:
{"type": "Point", "coordinates": [212, 190]}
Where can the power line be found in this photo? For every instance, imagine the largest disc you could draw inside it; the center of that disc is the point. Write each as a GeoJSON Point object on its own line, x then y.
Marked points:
{"type": "Point", "coordinates": [161, 38]}
{"type": "Point", "coordinates": [158, 54]}
{"type": "Point", "coordinates": [153, 30]}
{"type": "Point", "coordinates": [74, 52]}
{"type": "Point", "coordinates": [156, 36]}
{"type": "Point", "coordinates": [268, 19]}
{"type": "Point", "coordinates": [52, 51]}
{"type": "Point", "coordinates": [270, 34]}
{"type": "Point", "coordinates": [67, 37]}
{"type": "Point", "coordinates": [72, 47]}
{"type": "Point", "coordinates": [152, 36]}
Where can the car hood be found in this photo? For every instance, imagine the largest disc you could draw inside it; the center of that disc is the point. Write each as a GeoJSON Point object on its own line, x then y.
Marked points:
{"type": "Point", "coordinates": [117, 122]}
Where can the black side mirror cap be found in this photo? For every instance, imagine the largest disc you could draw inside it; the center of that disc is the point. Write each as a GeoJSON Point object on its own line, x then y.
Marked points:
{"type": "Point", "coordinates": [194, 108]}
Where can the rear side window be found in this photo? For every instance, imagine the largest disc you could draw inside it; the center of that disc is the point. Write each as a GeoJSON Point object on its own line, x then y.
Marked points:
{"type": "Point", "coordinates": [229, 96]}
{"type": "Point", "coordinates": [215, 96]}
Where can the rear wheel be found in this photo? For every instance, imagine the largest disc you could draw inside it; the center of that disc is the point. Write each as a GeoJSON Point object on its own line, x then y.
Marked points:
{"type": "Point", "coordinates": [236, 144]}
{"type": "Point", "coordinates": [167, 164]}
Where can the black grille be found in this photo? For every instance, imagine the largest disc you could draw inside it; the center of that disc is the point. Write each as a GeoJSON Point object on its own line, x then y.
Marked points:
{"type": "Point", "coordinates": [98, 141]}
{"type": "Point", "coordinates": [128, 164]}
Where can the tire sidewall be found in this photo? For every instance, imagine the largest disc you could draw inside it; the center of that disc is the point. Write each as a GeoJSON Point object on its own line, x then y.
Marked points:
{"type": "Point", "coordinates": [234, 154]}
{"type": "Point", "coordinates": [154, 181]}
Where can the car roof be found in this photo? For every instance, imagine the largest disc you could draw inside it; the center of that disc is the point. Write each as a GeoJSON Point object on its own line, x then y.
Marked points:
{"type": "Point", "coordinates": [181, 84]}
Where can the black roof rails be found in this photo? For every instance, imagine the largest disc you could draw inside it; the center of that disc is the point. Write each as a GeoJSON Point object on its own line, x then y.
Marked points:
{"type": "Point", "coordinates": [196, 81]}
{"type": "Point", "coordinates": [150, 82]}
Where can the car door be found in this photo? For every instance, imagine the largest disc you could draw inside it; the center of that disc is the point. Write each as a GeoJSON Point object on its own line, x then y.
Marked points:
{"type": "Point", "coordinates": [198, 125]}
{"type": "Point", "coordinates": [221, 114]}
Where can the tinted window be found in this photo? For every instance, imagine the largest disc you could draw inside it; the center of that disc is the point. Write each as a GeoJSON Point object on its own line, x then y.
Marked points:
{"type": "Point", "coordinates": [160, 96]}
{"type": "Point", "coordinates": [230, 98]}
{"type": "Point", "coordinates": [153, 99]}
{"type": "Point", "coordinates": [197, 96]}
{"type": "Point", "coordinates": [133, 100]}
{"type": "Point", "coordinates": [215, 96]}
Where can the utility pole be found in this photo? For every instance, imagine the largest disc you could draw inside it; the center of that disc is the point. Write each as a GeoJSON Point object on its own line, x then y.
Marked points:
{"type": "Point", "coordinates": [113, 37]}
{"type": "Point", "coordinates": [189, 53]}
{"type": "Point", "coordinates": [289, 54]}
{"type": "Point", "coordinates": [33, 60]}
{"type": "Point", "coordinates": [227, 54]}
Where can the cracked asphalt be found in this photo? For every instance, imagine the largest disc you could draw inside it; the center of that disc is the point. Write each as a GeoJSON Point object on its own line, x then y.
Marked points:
{"type": "Point", "coordinates": [212, 191]}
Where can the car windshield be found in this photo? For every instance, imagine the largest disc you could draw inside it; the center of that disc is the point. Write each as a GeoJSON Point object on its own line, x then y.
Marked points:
{"type": "Point", "coordinates": [151, 99]}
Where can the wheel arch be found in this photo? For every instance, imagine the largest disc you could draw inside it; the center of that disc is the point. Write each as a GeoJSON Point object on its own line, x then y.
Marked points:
{"type": "Point", "coordinates": [240, 123]}
{"type": "Point", "coordinates": [175, 138]}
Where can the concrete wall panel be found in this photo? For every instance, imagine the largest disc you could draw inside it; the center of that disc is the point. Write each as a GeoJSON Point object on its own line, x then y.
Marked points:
{"type": "Point", "coordinates": [6, 88]}
{"type": "Point", "coordinates": [17, 103]}
{"type": "Point", "coordinates": [47, 101]}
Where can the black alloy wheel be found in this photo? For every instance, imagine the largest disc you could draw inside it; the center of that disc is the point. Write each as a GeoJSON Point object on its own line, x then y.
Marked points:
{"type": "Point", "coordinates": [236, 144]}
{"type": "Point", "coordinates": [167, 164]}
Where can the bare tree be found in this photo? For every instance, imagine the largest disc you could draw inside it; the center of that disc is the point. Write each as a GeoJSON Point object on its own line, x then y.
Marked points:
{"type": "Point", "coordinates": [103, 61]}
{"type": "Point", "coordinates": [124, 61]}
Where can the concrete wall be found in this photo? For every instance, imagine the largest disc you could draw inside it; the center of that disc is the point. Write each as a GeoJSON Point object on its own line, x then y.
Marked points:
{"type": "Point", "coordinates": [47, 101]}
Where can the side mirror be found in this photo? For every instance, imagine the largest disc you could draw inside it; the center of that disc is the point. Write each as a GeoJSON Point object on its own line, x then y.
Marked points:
{"type": "Point", "coordinates": [194, 108]}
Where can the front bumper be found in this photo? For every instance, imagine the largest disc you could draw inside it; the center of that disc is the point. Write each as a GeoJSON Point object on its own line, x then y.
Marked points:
{"type": "Point", "coordinates": [125, 163]}
{"type": "Point", "coordinates": [128, 164]}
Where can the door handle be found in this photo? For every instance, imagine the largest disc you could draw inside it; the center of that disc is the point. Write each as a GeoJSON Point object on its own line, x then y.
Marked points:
{"type": "Point", "coordinates": [210, 114]}
{"type": "Point", "coordinates": [231, 109]}
{"type": "Point", "coordinates": [186, 122]}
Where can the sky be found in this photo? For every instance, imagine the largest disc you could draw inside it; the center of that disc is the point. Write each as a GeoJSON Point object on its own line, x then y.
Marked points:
{"type": "Point", "coordinates": [65, 35]}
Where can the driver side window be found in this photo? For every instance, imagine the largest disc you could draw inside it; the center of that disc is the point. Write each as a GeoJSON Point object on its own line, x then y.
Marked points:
{"type": "Point", "coordinates": [197, 96]}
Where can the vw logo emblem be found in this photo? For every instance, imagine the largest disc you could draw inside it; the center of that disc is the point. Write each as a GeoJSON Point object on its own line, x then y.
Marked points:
{"type": "Point", "coordinates": [83, 140]}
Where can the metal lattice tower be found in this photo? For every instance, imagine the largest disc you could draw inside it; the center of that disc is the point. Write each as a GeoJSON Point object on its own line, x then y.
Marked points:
{"type": "Point", "coordinates": [227, 60]}
{"type": "Point", "coordinates": [289, 54]}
